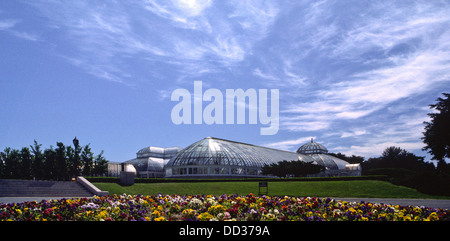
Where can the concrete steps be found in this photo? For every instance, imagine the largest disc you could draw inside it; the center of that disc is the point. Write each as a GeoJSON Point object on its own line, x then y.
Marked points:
{"type": "Point", "coordinates": [30, 188]}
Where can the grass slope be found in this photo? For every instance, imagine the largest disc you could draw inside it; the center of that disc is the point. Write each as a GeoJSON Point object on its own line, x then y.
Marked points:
{"type": "Point", "coordinates": [364, 188]}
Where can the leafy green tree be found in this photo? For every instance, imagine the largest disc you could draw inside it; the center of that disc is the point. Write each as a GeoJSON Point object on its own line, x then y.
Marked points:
{"type": "Point", "coordinates": [87, 161]}
{"type": "Point", "coordinates": [350, 159]}
{"type": "Point", "coordinates": [396, 157]}
{"type": "Point", "coordinates": [437, 132]}
{"type": "Point", "coordinates": [101, 165]}
{"type": "Point", "coordinates": [61, 163]}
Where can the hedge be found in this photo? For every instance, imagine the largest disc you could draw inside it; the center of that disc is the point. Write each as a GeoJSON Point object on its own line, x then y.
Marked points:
{"type": "Point", "coordinates": [182, 180]}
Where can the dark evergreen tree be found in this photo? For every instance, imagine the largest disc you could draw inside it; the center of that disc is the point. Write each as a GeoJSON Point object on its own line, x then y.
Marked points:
{"type": "Point", "coordinates": [38, 168]}
{"type": "Point", "coordinates": [437, 132]}
{"type": "Point", "coordinates": [291, 168]}
{"type": "Point", "coordinates": [396, 157]}
{"type": "Point", "coordinates": [12, 164]}
{"type": "Point", "coordinates": [26, 163]}
{"type": "Point", "coordinates": [61, 163]}
{"type": "Point", "coordinates": [2, 164]}
{"type": "Point", "coordinates": [350, 159]}
{"type": "Point", "coordinates": [50, 164]}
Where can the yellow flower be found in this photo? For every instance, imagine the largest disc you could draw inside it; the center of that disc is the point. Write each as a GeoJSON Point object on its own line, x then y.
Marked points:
{"type": "Point", "coordinates": [270, 216]}
{"type": "Point", "coordinates": [352, 210]}
{"type": "Point", "coordinates": [147, 218]}
{"type": "Point", "coordinates": [19, 211]}
{"type": "Point", "coordinates": [103, 214]}
{"type": "Point", "coordinates": [417, 210]}
{"type": "Point", "coordinates": [204, 216]}
{"type": "Point", "coordinates": [160, 219]}
{"type": "Point", "coordinates": [216, 209]}
{"type": "Point", "coordinates": [156, 213]}
{"type": "Point", "coordinates": [433, 216]}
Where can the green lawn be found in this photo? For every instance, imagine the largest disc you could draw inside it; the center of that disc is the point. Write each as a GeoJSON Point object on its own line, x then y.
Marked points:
{"type": "Point", "coordinates": [360, 188]}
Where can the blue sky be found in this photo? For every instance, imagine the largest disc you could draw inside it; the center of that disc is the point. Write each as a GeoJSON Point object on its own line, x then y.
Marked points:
{"type": "Point", "coordinates": [357, 76]}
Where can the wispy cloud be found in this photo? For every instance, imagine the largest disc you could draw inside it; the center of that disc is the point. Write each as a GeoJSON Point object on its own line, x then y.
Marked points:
{"type": "Point", "coordinates": [168, 33]}
{"type": "Point", "coordinates": [289, 145]}
{"type": "Point", "coordinates": [8, 25]}
{"type": "Point", "coordinates": [355, 72]}
{"type": "Point", "coordinates": [407, 62]}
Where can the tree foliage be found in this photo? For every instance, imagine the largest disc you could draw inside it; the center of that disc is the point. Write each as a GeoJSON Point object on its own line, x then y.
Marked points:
{"type": "Point", "coordinates": [396, 157]}
{"type": "Point", "coordinates": [350, 159]}
{"type": "Point", "coordinates": [406, 169]}
{"type": "Point", "coordinates": [437, 132]}
{"type": "Point", "coordinates": [291, 168]}
{"type": "Point", "coordinates": [60, 163]}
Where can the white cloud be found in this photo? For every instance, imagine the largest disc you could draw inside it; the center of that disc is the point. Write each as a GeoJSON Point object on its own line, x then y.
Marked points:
{"type": "Point", "coordinates": [227, 48]}
{"type": "Point", "coordinates": [8, 25]}
{"type": "Point", "coordinates": [290, 144]}
{"type": "Point", "coordinates": [259, 73]}
{"type": "Point", "coordinates": [368, 91]}
{"type": "Point", "coordinates": [353, 133]}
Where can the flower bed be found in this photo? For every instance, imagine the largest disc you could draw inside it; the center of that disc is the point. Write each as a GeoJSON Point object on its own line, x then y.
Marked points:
{"type": "Point", "coordinates": [213, 208]}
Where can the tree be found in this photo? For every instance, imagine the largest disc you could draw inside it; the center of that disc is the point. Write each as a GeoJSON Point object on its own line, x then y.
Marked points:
{"type": "Point", "coordinates": [61, 163]}
{"type": "Point", "coordinates": [73, 157]}
{"type": "Point", "coordinates": [26, 163]}
{"type": "Point", "coordinates": [437, 132]}
{"type": "Point", "coordinates": [350, 159]}
{"type": "Point", "coordinates": [291, 168]}
{"type": "Point", "coordinates": [38, 168]}
{"type": "Point", "coordinates": [87, 161]}
{"type": "Point", "coordinates": [50, 163]}
{"type": "Point", "coordinates": [12, 163]}
{"type": "Point", "coordinates": [101, 165]}
{"type": "Point", "coordinates": [2, 164]}
{"type": "Point", "coordinates": [396, 157]}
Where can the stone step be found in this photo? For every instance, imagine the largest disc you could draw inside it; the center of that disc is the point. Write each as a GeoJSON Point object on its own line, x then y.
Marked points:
{"type": "Point", "coordinates": [30, 188]}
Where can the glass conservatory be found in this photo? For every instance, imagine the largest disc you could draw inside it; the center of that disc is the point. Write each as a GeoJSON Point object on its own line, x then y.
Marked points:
{"type": "Point", "coordinates": [219, 158]}
{"type": "Point", "coordinates": [223, 158]}
{"type": "Point", "coordinates": [334, 166]}
{"type": "Point", "coordinates": [150, 161]}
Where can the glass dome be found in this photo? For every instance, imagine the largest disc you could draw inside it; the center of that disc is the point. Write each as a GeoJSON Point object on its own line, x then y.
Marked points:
{"type": "Point", "coordinates": [312, 148]}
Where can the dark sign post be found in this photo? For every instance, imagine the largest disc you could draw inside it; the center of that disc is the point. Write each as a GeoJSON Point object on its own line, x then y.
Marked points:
{"type": "Point", "coordinates": [265, 188]}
